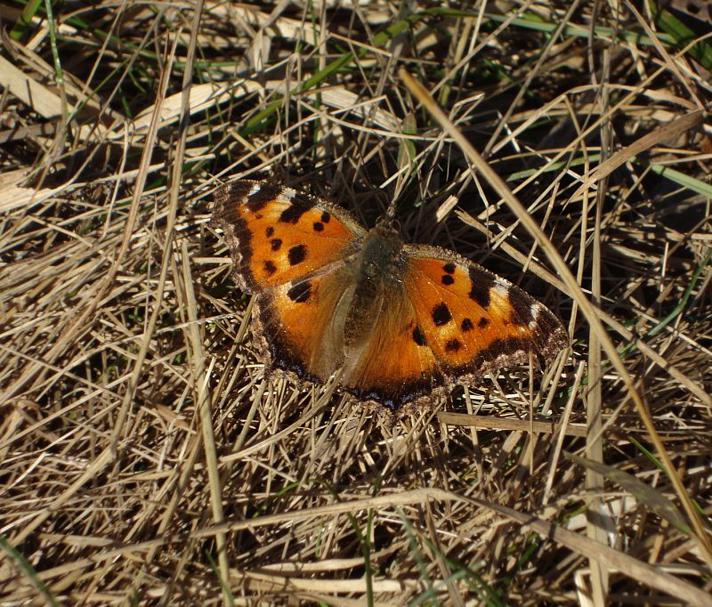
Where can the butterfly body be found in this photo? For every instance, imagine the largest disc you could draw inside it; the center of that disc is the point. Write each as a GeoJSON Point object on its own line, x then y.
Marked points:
{"type": "Point", "coordinates": [378, 276]}
{"type": "Point", "coordinates": [400, 322]}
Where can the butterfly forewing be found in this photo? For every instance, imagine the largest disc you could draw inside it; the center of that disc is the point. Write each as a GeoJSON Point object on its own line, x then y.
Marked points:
{"type": "Point", "coordinates": [278, 235]}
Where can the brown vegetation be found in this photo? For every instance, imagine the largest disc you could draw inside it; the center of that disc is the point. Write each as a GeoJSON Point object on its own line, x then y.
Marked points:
{"type": "Point", "coordinates": [146, 456]}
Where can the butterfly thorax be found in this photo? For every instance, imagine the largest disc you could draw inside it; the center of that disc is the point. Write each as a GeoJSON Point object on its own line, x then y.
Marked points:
{"type": "Point", "coordinates": [380, 258]}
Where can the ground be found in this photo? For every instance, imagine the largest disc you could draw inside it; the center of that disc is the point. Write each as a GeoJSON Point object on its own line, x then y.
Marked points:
{"type": "Point", "coordinates": [148, 455]}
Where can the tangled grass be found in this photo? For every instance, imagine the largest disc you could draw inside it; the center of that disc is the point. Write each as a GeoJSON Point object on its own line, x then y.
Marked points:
{"type": "Point", "coordinates": [146, 456]}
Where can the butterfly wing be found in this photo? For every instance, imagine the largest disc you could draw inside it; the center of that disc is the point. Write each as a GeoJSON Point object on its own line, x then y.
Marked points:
{"type": "Point", "coordinates": [472, 320]}
{"type": "Point", "coordinates": [292, 251]}
{"type": "Point", "coordinates": [448, 318]}
{"type": "Point", "coordinates": [278, 235]}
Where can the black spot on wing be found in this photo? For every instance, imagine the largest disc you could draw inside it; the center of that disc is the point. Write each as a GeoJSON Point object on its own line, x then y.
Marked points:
{"type": "Point", "coordinates": [483, 322]}
{"type": "Point", "coordinates": [441, 314]}
{"type": "Point", "coordinates": [300, 292]}
{"type": "Point", "coordinates": [418, 336]}
{"type": "Point", "coordinates": [466, 324]}
{"type": "Point", "coordinates": [275, 243]}
{"type": "Point", "coordinates": [449, 268]}
{"type": "Point", "coordinates": [481, 283]}
{"type": "Point", "coordinates": [325, 217]}
{"type": "Point", "coordinates": [269, 232]}
{"type": "Point", "coordinates": [293, 213]}
{"type": "Point", "coordinates": [447, 279]}
{"type": "Point", "coordinates": [453, 345]}
{"type": "Point", "coordinates": [270, 268]}
{"type": "Point", "coordinates": [318, 226]}
{"type": "Point", "coordinates": [297, 254]}
{"type": "Point", "coordinates": [521, 307]}
{"type": "Point", "coordinates": [263, 196]}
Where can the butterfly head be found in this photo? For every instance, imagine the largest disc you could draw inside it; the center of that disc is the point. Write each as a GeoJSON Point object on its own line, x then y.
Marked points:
{"type": "Point", "coordinates": [388, 224]}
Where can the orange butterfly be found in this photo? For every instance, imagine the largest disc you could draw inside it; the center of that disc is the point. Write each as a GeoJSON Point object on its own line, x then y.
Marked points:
{"type": "Point", "coordinates": [400, 321]}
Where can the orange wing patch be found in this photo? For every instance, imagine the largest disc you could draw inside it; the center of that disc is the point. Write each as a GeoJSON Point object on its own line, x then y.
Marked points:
{"type": "Point", "coordinates": [278, 235]}
{"type": "Point", "coordinates": [472, 320]}
{"type": "Point", "coordinates": [395, 366]}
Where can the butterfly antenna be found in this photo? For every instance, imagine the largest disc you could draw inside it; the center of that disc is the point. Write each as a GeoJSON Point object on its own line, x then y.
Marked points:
{"type": "Point", "coordinates": [391, 210]}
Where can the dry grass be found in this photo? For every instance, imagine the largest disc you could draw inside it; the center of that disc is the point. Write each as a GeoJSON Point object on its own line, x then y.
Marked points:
{"type": "Point", "coordinates": [146, 458]}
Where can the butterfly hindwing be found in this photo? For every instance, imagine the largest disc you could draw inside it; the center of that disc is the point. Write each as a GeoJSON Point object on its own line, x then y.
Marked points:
{"type": "Point", "coordinates": [394, 367]}
{"type": "Point", "coordinates": [277, 234]}
{"type": "Point", "coordinates": [303, 322]}
{"type": "Point", "coordinates": [472, 320]}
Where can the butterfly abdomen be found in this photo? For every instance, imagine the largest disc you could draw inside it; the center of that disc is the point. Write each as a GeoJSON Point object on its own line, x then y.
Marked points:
{"type": "Point", "coordinates": [378, 275]}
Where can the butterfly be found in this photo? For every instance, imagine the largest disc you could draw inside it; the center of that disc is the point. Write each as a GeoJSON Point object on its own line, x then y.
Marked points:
{"type": "Point", "coordinates": [401, 322]}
